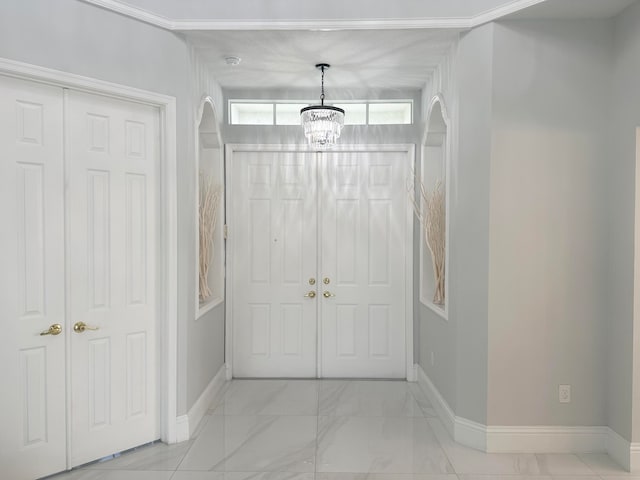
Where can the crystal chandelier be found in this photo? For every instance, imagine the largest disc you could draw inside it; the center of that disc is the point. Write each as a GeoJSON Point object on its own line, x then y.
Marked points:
{"type": "Point", "coordinates": [322, 123]}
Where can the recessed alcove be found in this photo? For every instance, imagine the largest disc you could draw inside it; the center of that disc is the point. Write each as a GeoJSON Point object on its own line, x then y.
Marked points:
{"type": "Point", "coordinates": [434, 183]}
{"type": "Point", "coordinates": [210, 248]}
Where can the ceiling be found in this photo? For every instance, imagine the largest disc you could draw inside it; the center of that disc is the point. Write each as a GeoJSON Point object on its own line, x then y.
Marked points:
{"type": "Point", "coordinates": [371, 44]}
{"type": "Point", "coordinates": [218, 11]}
{"type": "Point", "coordinates": [360, 59]}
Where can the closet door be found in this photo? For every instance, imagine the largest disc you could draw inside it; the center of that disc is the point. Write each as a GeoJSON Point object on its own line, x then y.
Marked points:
{"type": "Point", "coordinates": [273, 254]}
{"type": "Point", "coordinates": [113, 157]}
{"type": "Point", "coordinates": [32, 297]}
{"type": "Point", "coordinates": [364, 237]}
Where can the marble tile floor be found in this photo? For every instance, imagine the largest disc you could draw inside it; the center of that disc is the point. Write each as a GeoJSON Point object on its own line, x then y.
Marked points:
{"type": "Point", "coordinates": [332, 430]}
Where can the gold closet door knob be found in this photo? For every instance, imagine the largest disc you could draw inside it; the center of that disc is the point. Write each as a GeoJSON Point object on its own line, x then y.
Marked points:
{"type": "Point", "coordinates": [80, 327]}
{"type": "Point", "coordinates": [328, 294]}
{"type": "Point", "coordinates": [311, 294]}
{"type": "Point", "coordinates": [55, 329]}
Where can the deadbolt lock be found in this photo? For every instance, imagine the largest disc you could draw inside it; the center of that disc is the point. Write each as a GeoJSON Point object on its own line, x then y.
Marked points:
{"type": "Point", "coordinates": [312, 281]}
{"type": "Point", "coordinates": [326, 280]}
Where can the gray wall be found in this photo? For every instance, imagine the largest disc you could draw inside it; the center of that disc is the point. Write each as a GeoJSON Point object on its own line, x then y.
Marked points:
{"type": "Point", "coordinates": [470, 228]}
{"type": "Point", "coordinates": [529, 303]}
{"type": "Point", "coordinates": [548, 222]}
{"type": "Point", "coordinates": [623, 329]}
{"type": "Point", "coordinates": [436, 334]}
{"type": "Point", "coordinates": [76, 37]}
{"type": "Point", "coordinates": [205, 335]}
{"type": "Point", "coordinates": [459, 343]}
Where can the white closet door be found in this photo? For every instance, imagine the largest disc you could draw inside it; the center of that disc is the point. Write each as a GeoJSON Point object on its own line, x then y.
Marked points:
{"type": "Point", "coordinates": [273, 235]}
{"type": "Point", "coordinates": [32, 373]}
{"type": "Point", "coordinates": [364, 229]}
{"type": "Point", "coordinates": [113, 157]}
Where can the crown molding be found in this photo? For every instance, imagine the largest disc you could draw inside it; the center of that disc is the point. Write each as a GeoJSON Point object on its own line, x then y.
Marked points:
{"type": "Point", "coordinates": [459, 23]}
{"type": "Point", "coordinates": [502, 11]}
{"type": "Point", "coordinates": [134, 12]}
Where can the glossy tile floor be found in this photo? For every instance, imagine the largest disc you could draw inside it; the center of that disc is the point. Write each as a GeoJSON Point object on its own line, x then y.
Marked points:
{"type": "Point", "coordinates": [332, 430]}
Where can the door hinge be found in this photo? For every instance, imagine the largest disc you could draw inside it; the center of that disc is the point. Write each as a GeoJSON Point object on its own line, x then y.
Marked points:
{"type": "Point", "coordinates": [226, 231]}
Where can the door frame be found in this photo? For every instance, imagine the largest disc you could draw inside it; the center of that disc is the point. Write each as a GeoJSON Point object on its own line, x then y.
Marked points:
{"type": "Point", "coordinates": [168, 231]}
{"type": "Point", "coordinates": [230, 149]}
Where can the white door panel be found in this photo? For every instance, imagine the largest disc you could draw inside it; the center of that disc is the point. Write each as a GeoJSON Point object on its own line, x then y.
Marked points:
{"type": "Point", "coordinates": [273, 229]}
{"type": "Point", "coordinates": [359, 220]}
{"type": "Point", "coordinates": [363, 256]}
{"type": "Point", "coordinates": [32, 404]}
{"type": "Point", "coordinates": [113, 162]}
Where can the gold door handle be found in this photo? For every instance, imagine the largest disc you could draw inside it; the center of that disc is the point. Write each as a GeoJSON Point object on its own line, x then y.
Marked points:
{"type": "Point", "coordinates": [328, 294]}
{"type": "Point", "coordinates": [55, 329]}
{"type": "Point", "coordinates": [80, 327]}
{"type": "Point", "coordinates": [311, 294]}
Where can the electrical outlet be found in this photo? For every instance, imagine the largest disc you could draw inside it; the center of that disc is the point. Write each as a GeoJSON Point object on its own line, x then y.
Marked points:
{"type": "Point", "coordinates": [433, 359]}
{"type": "Point", "coordinates": [564, 393]}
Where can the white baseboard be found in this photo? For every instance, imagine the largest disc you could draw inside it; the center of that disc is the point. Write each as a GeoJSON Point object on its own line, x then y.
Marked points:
{"type": "Point", "coordinates": [441, 406]}
{"type": "Point", "coordinates": [523, 439]}
{"type": "Point", "coordinates": [186, 424]}
{"type": "Point", "coordinates": [626, 453]}
{"type": "Point", "coordinates": [546, 439]}
{"type": "Point", "coordinates": [634, 457]}
{"type": "Point", "coordinates": [412, 373]}
{"type": "Point", "coordinates": [182, 428]}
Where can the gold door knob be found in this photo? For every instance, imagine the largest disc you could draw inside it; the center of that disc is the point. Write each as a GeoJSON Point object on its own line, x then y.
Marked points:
{"type": "Point", "coordinates": [328, 294]}
{"type": "Point", "coordinates": [55, 329]}
{"type": "Point", "coordinates": [80, 327]}
{"type": "Point", "coordinates": [311, 294]}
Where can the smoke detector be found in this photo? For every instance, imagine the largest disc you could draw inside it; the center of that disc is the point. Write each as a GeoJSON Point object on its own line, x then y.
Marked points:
{"type": "Point", "coordinates": [232, 60]}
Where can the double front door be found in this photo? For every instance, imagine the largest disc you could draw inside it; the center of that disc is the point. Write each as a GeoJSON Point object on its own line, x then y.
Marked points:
{"type": "Point", "coordinates": [319, 263]}
{"type": "Point", "coordinates": [77, 285]}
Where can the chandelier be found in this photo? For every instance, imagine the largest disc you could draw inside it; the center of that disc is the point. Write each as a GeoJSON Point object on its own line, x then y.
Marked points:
{"type": "Point", "coordinates": [322, 123]}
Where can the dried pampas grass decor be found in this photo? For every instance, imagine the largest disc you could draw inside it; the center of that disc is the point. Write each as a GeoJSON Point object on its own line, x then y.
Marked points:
{"type": "Point", "coordinates": [430, 212]}
{"type": "Point", "coordinates": [208, 214]}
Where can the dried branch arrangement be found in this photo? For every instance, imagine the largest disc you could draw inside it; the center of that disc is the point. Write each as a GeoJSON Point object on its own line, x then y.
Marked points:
{"type": "Point", "coordinates": [208, 215]}
{"type": "Point", "coordinates": [430, 212]}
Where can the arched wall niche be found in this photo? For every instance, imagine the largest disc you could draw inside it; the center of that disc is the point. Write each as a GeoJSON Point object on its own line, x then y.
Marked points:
{"type": "Point", "coordinates": [210, 208]}
{"type": "Point", "coordinates": [434, 204]}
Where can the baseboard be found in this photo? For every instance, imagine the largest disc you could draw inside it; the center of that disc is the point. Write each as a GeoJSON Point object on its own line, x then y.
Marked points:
{"type": "Point", "coordinates": [182, 428]}
{"type": "Point", "coordinates": [186, 424]}
{"type": "Point", "coordinates": [520, 439]}
{"type": "Point", "coordinates": [440, 405]}
{"type": "Point", "coordinates": [412, 373]}
{"type": "Point", "coordinates": [626, 453]}
{"type": "Point", "coordinates": [546, 439]}
{"type": "Point", "coordinates": [634, 457]}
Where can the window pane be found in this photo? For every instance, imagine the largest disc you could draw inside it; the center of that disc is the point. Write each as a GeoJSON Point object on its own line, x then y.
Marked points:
{"type": "Point", "coordinates": [251, 114]}
{"type": "Point", "coordinates": [389, 113]}
{"type": "Point", "coordinates": [354, 113]}
{"type": "Point", "coordinates": [289, 113]}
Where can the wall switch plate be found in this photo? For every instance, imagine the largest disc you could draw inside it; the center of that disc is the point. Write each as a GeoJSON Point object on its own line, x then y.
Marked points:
{"type": "Point", "coordinates": [564, 393]}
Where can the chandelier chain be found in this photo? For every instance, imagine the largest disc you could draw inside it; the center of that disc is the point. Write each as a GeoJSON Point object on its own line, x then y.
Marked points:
{"type": "Point", "coordinates": [322, 88]}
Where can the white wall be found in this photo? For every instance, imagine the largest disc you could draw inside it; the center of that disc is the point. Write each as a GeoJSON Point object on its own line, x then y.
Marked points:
{"type": "Point", "coordinates": [623, 324]}
{"type": "Point", "coordinates": [76, 37]}
{"type": "Point", "coordinates": [548, 222]}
